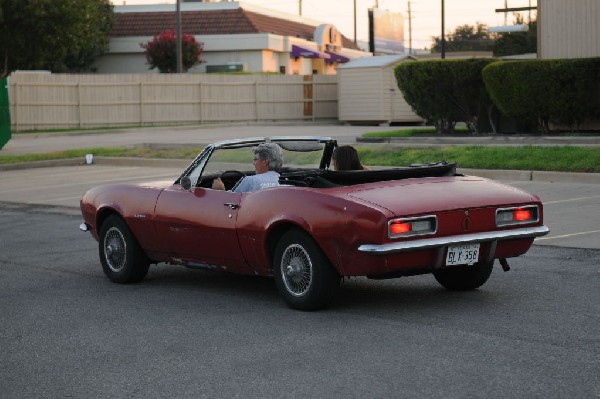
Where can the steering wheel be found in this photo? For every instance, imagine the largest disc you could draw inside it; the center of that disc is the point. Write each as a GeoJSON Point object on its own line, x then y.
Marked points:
{"type": "Point", "coordinates": [231, 177]}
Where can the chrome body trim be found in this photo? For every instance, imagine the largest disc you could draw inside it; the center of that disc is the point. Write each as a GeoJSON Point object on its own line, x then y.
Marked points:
{"type": "Point", "coordinates": [415, 245]}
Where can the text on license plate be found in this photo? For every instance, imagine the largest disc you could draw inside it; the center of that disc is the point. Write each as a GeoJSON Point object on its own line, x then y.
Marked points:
{"type": "Point", "coordinates": [462, 254]}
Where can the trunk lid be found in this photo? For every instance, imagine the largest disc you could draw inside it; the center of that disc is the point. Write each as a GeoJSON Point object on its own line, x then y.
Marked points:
{"type": "Point", "coordinates": [439, 194]}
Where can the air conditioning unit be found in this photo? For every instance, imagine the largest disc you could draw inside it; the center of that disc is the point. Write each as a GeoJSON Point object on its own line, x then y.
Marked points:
{"type": "Point", "coordinates": [229, 67]}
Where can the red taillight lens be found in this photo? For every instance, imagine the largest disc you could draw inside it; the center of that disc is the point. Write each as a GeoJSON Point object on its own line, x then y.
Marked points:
{"type": "Point", "coordinates": [517, 215]}
{"type": "Point", "coordinates": [399, 228]}
{"type": "Point", "coordinates": [522, 215]}
{"type": "Point", "coordinates": [409, 227]}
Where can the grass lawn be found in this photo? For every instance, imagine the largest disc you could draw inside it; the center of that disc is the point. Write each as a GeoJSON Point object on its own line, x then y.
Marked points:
{"type": "Point", "coordinates": [559, 158]}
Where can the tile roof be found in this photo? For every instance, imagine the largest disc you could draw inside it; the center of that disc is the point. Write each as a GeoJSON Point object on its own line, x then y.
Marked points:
{"type": "Point", "coordinates": [212, 22]}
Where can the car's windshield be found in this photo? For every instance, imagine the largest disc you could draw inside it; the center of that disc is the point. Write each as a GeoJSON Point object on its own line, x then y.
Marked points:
{"type": "Point", "coordinates": [296, 154]}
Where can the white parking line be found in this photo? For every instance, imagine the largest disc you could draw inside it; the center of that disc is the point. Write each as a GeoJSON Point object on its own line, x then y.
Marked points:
{"type": "Point", "coordinates": [571, 200]}
{"type": "Point", "coordinates": [568, 235]}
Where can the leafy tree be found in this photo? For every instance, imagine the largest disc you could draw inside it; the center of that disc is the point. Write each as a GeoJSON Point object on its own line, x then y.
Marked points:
{"type": "Point", "coordinates": [465, 38]}
{"type": "Point", "coordinates": [161, 51]}
{"type": "Point", "coordinates": [513, 43]}
{"type": "Point", "coordinates": [55, 35]}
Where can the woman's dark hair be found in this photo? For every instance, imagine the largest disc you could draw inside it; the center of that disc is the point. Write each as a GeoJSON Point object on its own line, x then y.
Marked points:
{"type": "Point", "coordinates": [345, 157]}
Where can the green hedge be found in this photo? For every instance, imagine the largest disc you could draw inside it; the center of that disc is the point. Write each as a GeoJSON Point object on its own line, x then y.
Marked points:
{"type": "Point", "coordinates": [445, 91]}
{"type": "Point", "coordinates": [563, 92]}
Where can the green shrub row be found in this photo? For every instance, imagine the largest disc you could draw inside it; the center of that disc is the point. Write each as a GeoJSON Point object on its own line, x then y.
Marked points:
{"type": "Point", "coordinates": [563, 92]}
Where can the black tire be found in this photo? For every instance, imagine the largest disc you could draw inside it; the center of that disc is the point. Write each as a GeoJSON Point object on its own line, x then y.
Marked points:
{"type": "Point", "coordinates": [303, 275]}
{"type": "Point", "coordinates": [465, 278]}
{"type": "Point", "coordinates": [123, 261]}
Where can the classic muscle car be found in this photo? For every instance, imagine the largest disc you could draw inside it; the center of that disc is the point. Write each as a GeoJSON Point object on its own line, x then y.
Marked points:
{"type": "Point", "coordinates": [317, 226]}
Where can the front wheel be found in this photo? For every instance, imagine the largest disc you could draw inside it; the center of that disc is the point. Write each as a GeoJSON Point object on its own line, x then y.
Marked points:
{"type": "Point", "coordinates": [465, 278]}
{"type": "Point", "coordinates": [303, 275]}
{"type": "Point", "coordinates": [123, 261]}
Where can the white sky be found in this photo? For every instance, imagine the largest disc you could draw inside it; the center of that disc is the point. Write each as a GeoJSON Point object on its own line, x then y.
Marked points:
{"type": "Point", "coordinates": [426, 14]}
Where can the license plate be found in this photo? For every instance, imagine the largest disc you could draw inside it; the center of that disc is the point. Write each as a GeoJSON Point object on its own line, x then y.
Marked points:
{"type": "Point", "coordinates": [462, 255]}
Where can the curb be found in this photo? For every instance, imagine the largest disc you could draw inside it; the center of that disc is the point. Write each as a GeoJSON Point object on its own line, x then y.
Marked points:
{"type": "Point", "coordinates": [500, 140]}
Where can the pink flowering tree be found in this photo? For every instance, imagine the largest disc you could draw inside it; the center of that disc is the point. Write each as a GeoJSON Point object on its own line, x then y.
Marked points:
{"type": "Point", "coordinates": [161, 51]}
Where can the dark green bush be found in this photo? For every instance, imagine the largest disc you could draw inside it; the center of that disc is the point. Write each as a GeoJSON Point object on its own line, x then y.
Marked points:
{"type": "Point", "coordinates": [562, 92]}
{"type": "Point", "coordinates": [445, 91]}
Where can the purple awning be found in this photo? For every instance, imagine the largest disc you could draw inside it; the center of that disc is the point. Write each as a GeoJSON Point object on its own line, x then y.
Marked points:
{"type": "Point", "coordinates": [335, 57]}
{"type": "Point", "coordinates": [298, 52]}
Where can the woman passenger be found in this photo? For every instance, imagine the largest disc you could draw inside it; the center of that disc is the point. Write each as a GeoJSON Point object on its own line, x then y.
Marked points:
{"type": "Point", "coordinates": [346, 157]}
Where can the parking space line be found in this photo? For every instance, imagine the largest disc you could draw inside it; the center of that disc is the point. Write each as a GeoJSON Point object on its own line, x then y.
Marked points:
{"type": "Point", "coordinates": [568, 235]}
{"type": "Point", "coordinates": [571, 199]}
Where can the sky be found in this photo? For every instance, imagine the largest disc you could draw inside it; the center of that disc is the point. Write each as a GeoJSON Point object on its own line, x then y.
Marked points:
{"type": "Point", "coordinates": [426, 14]}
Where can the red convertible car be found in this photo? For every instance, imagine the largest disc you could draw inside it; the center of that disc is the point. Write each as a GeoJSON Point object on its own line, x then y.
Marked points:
{"type": "Point", "coordinates": [317, 226]}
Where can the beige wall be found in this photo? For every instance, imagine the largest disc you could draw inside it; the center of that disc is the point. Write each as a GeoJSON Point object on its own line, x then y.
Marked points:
{"type": "Point", "coordinates": [568, 29]}
{"type": "Point", "coordinates": [41, 101]}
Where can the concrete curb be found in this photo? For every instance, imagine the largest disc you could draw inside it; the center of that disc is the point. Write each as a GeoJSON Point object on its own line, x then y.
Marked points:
{"type": "Point", "coordinates": [499, 140]}
{"type": "Point", "coordinates": [505, 175]}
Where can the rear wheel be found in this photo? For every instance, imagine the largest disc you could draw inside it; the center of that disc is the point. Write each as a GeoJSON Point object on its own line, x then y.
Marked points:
{"type": "Point", "coordinates": [466, 278]}
{"type": "Point", "coordinates": [303, 275]}
{"type": "Point", "coordinates": [123, 261]}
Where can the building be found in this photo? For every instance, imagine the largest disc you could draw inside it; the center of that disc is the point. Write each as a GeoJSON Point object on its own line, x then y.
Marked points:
{"type": "Point", "coordinates": [236, 37]}
{"type": "Point", "coordinates": [568, 29]}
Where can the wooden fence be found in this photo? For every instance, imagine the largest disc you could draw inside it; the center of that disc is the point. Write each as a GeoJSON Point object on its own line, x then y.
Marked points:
{"type": "Point", "coordinates": [40, 101]}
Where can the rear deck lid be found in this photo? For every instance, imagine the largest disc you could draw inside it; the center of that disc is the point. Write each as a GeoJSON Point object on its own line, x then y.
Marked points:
{"type": "Point", "coordinates": [426, 195]}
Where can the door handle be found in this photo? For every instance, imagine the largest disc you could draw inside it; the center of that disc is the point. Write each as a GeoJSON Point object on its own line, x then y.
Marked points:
{"type": "Point", "coordinates": [231, 205]}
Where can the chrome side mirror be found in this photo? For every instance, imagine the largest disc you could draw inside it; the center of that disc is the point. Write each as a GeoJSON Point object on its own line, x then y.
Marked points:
{"type": "Point", "coordinates": [186, 183]}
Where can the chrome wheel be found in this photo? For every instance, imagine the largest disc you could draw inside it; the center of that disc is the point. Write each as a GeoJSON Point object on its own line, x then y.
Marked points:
{"type": "Point", "coordinates": [304, 277]}
{"type": "Point", "coordinates": [115, 249]}
{"type": "Point", "coordinates": [297, 270]}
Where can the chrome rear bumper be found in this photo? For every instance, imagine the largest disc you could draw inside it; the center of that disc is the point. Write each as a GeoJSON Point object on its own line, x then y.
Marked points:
{"type": "Point", "coordinates": [427, 243]}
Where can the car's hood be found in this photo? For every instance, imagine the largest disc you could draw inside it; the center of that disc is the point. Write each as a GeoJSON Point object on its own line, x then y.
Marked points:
{"type": "Point", "coordinates": [418, 196]}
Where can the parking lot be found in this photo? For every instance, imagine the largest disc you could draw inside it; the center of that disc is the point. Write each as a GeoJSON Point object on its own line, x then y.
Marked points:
{"type": "Point", "coordinates": [66, 331]}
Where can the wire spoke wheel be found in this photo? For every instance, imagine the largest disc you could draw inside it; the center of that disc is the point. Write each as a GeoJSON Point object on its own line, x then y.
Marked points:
{"type": "Point", "coordinates": [123, 260]}
{"type": "Point", "coordinates": [115, 249]}
{"type": "Point", "coordinates": [296, 269]}
{"type": "Point", "coordinates": [304, 276]}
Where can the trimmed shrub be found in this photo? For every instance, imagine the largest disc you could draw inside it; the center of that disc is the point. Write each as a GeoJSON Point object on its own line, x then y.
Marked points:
{"type": "Point", "coordinates": [563, 92]}
{"type": "Point", "coordinates": [161, 51]}
{"type": "Point", "coordinates": [446, 91]}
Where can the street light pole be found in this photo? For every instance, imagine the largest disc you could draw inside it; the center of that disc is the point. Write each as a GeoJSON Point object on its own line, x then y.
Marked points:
{"type": "Point", "coordinates": [443, 47]}
{"type": "Point", "coordinates": [178, 50]}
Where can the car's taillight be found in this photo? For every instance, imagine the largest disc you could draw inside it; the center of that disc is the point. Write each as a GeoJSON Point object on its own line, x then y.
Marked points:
{"type": "Point", "coordinates": [517, 215]}
{"type": "Point", "coordinates": [408, 227]}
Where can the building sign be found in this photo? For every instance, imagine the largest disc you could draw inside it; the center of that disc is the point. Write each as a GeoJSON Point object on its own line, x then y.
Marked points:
{"type": "Point", "coordinates": [386, 32]}
{"type": "Point", "coordinates": [328, 38]}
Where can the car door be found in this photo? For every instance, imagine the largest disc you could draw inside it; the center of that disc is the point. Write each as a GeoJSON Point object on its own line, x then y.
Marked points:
{"type": "Point", "coordinates": [199, 226]}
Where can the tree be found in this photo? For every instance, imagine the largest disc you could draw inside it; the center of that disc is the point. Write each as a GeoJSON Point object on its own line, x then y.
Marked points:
{"type": "Point", "coordinates": [465, 38]}
{"type": "Point", "coordinates": [514, 43]}
{"type": "Point", "coordinates": [161, 51]}
{"type": "Point", "coordinates": [55, 35]}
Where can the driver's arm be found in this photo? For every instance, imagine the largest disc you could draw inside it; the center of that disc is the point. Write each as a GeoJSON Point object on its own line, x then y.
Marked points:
{"type": "Point", "coordinates": [218, 184]}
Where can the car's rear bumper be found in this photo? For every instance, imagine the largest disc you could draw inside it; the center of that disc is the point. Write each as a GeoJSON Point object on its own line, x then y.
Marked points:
{"type": "Point", "coordinates": [429, 243]}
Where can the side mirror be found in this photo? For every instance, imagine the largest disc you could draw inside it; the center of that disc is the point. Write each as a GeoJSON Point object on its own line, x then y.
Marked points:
{"type": "Point", "coordinates": [186, 183]}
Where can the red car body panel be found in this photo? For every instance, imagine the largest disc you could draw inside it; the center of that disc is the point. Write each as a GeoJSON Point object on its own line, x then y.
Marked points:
{"type": "Point", "coordinates": [236, 232]}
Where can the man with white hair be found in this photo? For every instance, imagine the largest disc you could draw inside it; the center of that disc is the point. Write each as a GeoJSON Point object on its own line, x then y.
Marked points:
{"type": "Point", "coordinates": [268, 160]}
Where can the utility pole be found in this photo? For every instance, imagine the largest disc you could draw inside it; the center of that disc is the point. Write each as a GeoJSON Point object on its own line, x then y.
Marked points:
{"type": "Point", "coordinates": [409, 29]}
{"type": "Point", "coordinates": [300, 7]}
{"type": "Point", "coordinates": [178, 51]}
{"type": "Point", "coordinates": [443, 48]}
{"type": "Point", "coordinates": [355, 41]}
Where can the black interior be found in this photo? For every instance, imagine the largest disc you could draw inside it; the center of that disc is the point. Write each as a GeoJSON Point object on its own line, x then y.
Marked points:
{"type": "Point", "coordinates": [324, 178]}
